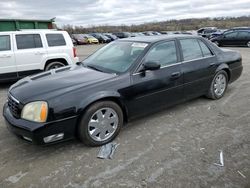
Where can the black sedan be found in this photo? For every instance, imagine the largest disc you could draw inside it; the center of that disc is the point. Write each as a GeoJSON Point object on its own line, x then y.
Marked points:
{"type": "Point", "coordinates": [123, 80]}
{"type": "Point", "coordinates": [233, 37]}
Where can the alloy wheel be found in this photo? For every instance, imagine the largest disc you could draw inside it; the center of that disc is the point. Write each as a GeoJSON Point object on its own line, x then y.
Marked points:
{"type": "Point", "coordinates": [103, 124]}
{"type": "Point", "coordinates": [220, 84]}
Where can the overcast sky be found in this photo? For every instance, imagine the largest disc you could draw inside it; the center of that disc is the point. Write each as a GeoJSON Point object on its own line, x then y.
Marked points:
{"type": "Point", "coordinates": [117, 12]}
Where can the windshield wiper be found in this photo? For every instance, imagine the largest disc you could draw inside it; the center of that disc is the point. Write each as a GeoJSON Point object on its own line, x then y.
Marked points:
{"type": "Point", "coordinates": [94, 68]}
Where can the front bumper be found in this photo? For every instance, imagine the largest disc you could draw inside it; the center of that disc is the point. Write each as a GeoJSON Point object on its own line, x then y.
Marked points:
{"type": "Point", "coordinates": [36, 132]}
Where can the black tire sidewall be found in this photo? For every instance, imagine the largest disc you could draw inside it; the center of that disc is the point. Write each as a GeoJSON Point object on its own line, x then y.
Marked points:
{"type": "Point", "coordinates": [83, 132]}
{"type": "Point", "coordinates": [48, 67]}
{"type": "Point", "coordinates": [213, 95]}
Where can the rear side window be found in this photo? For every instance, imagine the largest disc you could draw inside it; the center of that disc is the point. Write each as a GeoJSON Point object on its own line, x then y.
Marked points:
{"type": "Point", "coordinates": [190, 49]}
{"type": "Point", "coordinates": [28, 41]}
{"type": "Point", "coordinates": [55, 40]}
{"type": "Point", "coordinates": [205, 50]}
{"type": "Point", "coordinates": [4, 43]}
{"type": "Point", "coordinates": [231, 35]}
{"type": "Point", "coordinates": [244, 34]}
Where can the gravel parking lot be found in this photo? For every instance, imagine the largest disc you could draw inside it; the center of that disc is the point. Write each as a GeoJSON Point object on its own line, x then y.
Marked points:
{"type": "Point", "coordinates": [173, 148]}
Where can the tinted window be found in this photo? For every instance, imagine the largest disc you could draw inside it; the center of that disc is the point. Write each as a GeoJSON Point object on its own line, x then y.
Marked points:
{"type": "Point", "coordinates": [4, 43]}
{"type": "Point", "coordinates": [244, 34]}
{"type": "Point", "coordinates": [190, 49]}
{"type": "Point", "coordinates": [205, 50]}
{"type": "Point", "coordinates": [28, 41]}
{"type": "Point", "coordinates": [55, 40]}
{"type": "Point", "coordinates": [231, 35]}
{"type": "Point", "coordinates": [164, 53]}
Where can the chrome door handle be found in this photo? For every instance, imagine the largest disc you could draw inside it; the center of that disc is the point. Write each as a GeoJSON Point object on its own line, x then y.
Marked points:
{"type": "Point", "coordinates": [39, 53]}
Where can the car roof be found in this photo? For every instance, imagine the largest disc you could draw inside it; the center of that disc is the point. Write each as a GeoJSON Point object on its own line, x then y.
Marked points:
{"type": "Point", "coordinates": [157, 38]}
{"type": "Point", "coordinates": [33, 31]}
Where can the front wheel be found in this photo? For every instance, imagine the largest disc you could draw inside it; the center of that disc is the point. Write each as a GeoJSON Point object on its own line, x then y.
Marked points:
{"type": "Point", "coordinates": [54, 65]}
{"type": "Point", "coordinates": [218, 85]}
{"type": "Point", "coordinates": [100, 123]}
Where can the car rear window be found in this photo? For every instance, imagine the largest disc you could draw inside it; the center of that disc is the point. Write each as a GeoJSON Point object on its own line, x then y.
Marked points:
{"type": "Point", "coordinates": [190, 49]}
{"type": "Point", "coordinates": [55, 40]}
{"type": "Point", "coordinates": [27, 41]}
{"type": "Point", "coordinates": [4, 43]}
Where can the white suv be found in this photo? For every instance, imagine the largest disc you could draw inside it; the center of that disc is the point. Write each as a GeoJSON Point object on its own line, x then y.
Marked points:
{"type": "Point", "coordinates": [26, 52]}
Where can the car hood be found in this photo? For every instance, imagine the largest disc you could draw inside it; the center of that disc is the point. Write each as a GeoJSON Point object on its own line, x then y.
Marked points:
{"type": "Point", "coordinates": [56, 82]}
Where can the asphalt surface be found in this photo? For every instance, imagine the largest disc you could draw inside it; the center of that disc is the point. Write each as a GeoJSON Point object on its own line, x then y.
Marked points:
{"type": "Point", "coordinates": [176, 147]}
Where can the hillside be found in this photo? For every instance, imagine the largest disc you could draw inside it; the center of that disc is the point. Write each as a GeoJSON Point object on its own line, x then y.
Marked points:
{"type": "Point", "coordinates": [170, 25]}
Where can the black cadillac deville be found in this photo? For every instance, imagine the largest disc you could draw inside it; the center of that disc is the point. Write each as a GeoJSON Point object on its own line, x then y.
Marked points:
{"type": "Point", "coordinates": [121, 81]}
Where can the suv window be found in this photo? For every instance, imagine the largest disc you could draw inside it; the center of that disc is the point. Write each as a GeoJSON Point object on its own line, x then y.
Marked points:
{"type": "Point", "coordinates": [244, 34]}
{"type": "Point", "coordinates": [27, 41]}
{"type": "Point", "coordinates": [231, 35]}
{"type": "Point", "coordinates": [205, 50]}
{"type": "Point", "coordinates": [190, 49]}
{"type": "Point", "coordinates": [164, 54]}
{"type": "Point", "coordinates": [55, 40]}
{"type": "Point", "coordinates": [4, 43]}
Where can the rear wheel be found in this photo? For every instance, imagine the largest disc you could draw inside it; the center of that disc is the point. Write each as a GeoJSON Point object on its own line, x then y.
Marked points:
{"type": "Point", "coordinates": [100, 123]}
{"type": "Point", "coordinates": [54, 65]}
{"type": "Point", "coordinates": [218, 86]}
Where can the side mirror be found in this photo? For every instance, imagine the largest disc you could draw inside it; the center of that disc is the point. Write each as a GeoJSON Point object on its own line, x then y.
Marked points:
{"type": "Point", "coordinates": [151, 66]}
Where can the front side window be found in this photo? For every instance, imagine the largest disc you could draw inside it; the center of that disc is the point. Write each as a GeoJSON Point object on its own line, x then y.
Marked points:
{"type": "Point", "coordinates": [4, 43]}
{"type": "Point", "coordinates": [230, 35]}
{"type": "Point", "coordinates": [55, 40]}
{"type": "Point", "coordinates": [190, 49]}
{"type": "Point", "coordinates": [205, 50]}
{"type": "Point", "coordinates": [164, 54]}
{"type": "Point", "coordinates": [116, 57]}
{"type": "Point", "coordinates": [27, 41]}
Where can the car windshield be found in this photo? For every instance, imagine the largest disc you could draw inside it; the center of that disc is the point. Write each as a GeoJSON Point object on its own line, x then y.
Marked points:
{"type": "Point", "coordinates": [116, 57]}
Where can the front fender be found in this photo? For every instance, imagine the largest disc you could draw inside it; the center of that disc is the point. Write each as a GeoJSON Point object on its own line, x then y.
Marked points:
{"type": "Point", "coordinates": [95, 97]}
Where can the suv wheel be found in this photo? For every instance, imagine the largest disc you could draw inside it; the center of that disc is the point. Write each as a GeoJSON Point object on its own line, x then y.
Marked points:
{"type": "Point", "coordinates": [100, 123]}
{"type": "Point", "coordinates": [218, 86]}
{"type": "Point", "coordinates": [54, 65]}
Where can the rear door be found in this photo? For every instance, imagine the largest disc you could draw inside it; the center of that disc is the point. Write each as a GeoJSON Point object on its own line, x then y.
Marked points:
{"type": "Point", "coordinates": [30, 53]}
{"type": "Point", "coordinates": [159, 88]}
{"type": "Point", "coordinates": [243, 38]}
{"type": "Point", "coordinates": [7, 57]}
{"type": "Point", "coordinates": [198, 67]}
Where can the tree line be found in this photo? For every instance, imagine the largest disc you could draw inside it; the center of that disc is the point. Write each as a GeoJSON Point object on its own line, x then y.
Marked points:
{"type": "Point", "coordinates": [170, 25]}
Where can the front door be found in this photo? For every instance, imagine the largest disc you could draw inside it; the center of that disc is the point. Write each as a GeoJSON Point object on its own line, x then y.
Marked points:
{"type": "Point", "coordinates": [152, 90]}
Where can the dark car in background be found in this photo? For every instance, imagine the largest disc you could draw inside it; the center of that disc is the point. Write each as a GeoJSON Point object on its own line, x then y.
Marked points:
{"type": "Point", "coordinates": [207, 31]}
{"type": "Point", "coordinates": [122, 35]}
{"type": "Point", "coordinates": [123, 80]}
{"type": "Point", "coordinates": [79, 38]}
{"type": "Point", "coordinates": [233, 38]}
{"type": "Point", "coordinates": [101, 38]}
{"type": "Point", "coordinates": [111, 36]}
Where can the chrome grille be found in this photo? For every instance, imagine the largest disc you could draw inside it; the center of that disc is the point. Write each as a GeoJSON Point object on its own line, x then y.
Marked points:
{"type": "Point", "coordinates": [14, 106]}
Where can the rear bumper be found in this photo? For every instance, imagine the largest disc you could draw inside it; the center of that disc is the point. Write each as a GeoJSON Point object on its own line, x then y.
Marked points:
{"type": "Point", "coordinates": [235, 73]}
{"type": "Point", "coordinates": [36, 132]}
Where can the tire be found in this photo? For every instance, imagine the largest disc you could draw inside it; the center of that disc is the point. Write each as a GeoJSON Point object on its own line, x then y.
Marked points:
{"type": "Point", "coordinates": [54, 65]}
{"type": "Point", "coordinates": [218, 85]}
{"type": "Point", "coordinates": [94, 127]}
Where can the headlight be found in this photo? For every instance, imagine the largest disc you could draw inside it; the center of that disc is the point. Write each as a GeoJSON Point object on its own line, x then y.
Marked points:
{"type": "Point", "coordinates": [35, 111]}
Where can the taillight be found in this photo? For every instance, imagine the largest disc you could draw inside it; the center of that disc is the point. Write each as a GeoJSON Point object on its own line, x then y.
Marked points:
{"type": "Point", "coordinates": [74, 51]}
